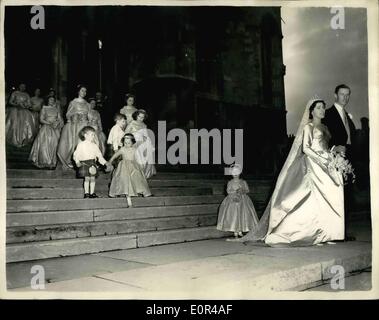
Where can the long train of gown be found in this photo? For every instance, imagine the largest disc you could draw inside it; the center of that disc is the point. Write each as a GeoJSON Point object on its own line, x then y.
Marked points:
{"type": "Point", "coordinates": [44, 150]}
{"type": "Point", "coordinates": [77, 119]}
{"type": "Point", "coordinates": [310, 208]}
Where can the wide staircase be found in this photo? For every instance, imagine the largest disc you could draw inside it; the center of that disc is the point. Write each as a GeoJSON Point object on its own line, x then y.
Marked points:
{"type": "Point", "coordinates": [47, 216]}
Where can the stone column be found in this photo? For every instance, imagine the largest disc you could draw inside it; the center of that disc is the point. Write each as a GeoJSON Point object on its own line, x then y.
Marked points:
{"type": "Point", "coordinates": [59, 72]}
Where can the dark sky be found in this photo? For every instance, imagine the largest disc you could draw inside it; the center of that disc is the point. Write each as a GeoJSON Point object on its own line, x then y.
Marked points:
{"type": "Point", "coordinates": [318, 58]}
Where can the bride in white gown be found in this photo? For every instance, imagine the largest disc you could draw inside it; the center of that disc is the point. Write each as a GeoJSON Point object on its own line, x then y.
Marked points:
{"type": "Point", "coordinates": [307, 205]}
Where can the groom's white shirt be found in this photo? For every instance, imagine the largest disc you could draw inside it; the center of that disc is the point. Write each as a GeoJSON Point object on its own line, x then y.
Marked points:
{"type": "Point", "coordinates": [343, 116]}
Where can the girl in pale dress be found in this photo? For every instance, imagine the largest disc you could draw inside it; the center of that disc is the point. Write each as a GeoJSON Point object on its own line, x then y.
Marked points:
{"type": "Point", "coordinates": [44, 150]}
{"type": "Point", "coordinates": [77, 119]}
{"type": "Point", "coordinates": [145, 148]}
{"type": "Point", "coordinates": [128, 179]}
{"type": "Point", "coordinates": [94, 120]}
{"type": "Point", "coordinates": [129, 109]}
{"type": "Point", "coordinates": [86, 156]}
{"type": "Point", "coordinates": [20, 129]}
{"type": "Point", "coordinates": [307, 205]}
{"type": "Point", "coordinates": [237, 213]}
{"type": "Point", "coordinates": [36, 106]}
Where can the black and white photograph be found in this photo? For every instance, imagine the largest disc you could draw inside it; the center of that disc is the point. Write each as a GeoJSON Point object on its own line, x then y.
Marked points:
{"type": "Point", "coordinates": [189, 150]}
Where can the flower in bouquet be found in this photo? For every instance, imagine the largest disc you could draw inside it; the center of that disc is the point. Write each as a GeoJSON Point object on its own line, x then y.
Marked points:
{"type": "Point", "coordinates": [236, 197]}
{"type": "Point", "coordinates": [339, 163]}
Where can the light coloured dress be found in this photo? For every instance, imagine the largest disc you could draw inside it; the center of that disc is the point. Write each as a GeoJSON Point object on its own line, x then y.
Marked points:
{"type": "Point", "coordinates": [128, 178]}
{"type": "Point", "coordinates": [145, 148]}
{"type": "Point", "coordinates": [77, 119]}
{"type": "Point", "coordinates": [94, 120]}
{"type": "Point", "coordinates": [237, 212]}
{"type": "Point", "coordinates": [310, 208]}
{"type": "Point", "coordinates": [36, 106]}
{"type": "Point", "coordinates": [20, 129]}
{"type": "Point", "coordinates": [128, 112]}
{"type": "Point", "coordinates": [44, 150]}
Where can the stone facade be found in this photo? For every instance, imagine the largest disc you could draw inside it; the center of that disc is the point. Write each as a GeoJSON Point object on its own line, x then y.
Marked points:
{"type": "Point", "coordinates": [202, 67]}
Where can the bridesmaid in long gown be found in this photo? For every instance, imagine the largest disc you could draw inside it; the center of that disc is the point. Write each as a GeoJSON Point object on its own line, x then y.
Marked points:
{"type": "Point", "coordinates": [77, 118]}
{"type": "Point", "coordinates": [94, 120]}
{"type": "Point", "coordinates": [129, 109]}
{"type": "Point", "coordinates": [44, 150]}
{"type": "Point", "coordinates": [145, 149]}
{"type": "Point", "coordinates": [307, 206]}
{"type": "Point", "coordinates": [20, 129]}
{"type": "Point", "coordinates": [36, 106]}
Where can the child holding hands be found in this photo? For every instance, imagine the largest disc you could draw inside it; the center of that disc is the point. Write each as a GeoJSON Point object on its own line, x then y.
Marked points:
{"type": "Point", "coordinates": [86, 155]}
{"type": "Point", "coordinates": [116, 134]}
{"type": "Point", "coordinates": [128, 178]}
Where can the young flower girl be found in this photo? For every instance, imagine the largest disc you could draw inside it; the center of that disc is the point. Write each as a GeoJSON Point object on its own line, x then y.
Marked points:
{"type": "Point", "coordinates": [237, 213]}
{"type": "Point", "coordinates": [128, 178]}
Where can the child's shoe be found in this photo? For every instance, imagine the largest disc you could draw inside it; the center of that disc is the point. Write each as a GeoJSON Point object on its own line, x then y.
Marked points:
{"type": "Point", "coordinates": [93, 195]}
{"type": "Point", "coordinates": [86, 195]}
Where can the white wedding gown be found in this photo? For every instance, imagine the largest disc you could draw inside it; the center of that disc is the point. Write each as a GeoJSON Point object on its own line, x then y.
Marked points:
{"type": "Point", "coordinates": [309, 208]}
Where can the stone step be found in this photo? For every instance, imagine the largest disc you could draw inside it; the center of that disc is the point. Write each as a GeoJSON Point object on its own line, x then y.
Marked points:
{"type": "Point", "coordinates": [22, 165]}
{"type": "Point", "coordinates": [18, 159]}
{"type": "Point", "coordinates": [101, 191]}
{"type": "Point", "coordinates": [69, 247]}
{"type": "Point", "coordinates": [105, 228]}
{"type": "Point", "coordinates": [260, 189]}
{"type": "Point", "coordinates": [18, 154]}
{"type": "Point", "coordinates": [18, 219]}
{"type": "Point", "coordinates": [70, 181]}
{"type": "Point", "coordinates": [106, 203]}
{"type": "Point", "coordinates": [59, 173]}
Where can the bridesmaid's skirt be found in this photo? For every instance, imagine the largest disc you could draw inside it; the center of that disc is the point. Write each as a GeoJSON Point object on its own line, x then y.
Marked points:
{"type": "Point", "coordinates": [68, 142]}
{"type": "Point", "coordinates": [237, 216]}
{"type": "Point", "coordinates": [20, 128]}
{"type": "Point", "coordinates": [44, 150]}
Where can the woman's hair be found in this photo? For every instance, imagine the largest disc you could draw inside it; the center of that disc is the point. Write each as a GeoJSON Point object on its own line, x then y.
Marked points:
{"type": "Point", "coordinates": [84, 131]}
{"type": "Point", "coordinates": [129, 95]}
{"type": "Point", "coordinates": [119, 116]}
{"type": "Point", "coordinates": [50, 93]}
{"type": "Point", "coordinates": [79, 87]}
{"type": "Point", "coordinates": [48, 98]}
{"type": "Point", "coordinates": [313, 105]}
{"type": "Point", "coordinates": [128, 135]}
{"type": "Point", "coordinates": [136, 113]}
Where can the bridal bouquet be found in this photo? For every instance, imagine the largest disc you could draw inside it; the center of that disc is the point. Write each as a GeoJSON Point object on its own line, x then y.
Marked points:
{"type": "Point", "coordinates": [339, 163]}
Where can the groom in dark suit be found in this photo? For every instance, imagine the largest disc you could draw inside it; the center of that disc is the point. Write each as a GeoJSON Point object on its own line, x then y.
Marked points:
{"type": "Point", "coordinates": [342, 131]}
